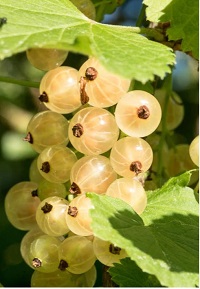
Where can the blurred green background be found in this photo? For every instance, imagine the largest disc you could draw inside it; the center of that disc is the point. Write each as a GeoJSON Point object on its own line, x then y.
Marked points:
{"type": "Point", "coordinates": [18, 104]}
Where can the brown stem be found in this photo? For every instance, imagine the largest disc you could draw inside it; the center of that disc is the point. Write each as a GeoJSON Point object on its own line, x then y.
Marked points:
{"type": "Point", "coordinates": [107, 281]}
{"type": "Point", "coordinates": [83, 93]}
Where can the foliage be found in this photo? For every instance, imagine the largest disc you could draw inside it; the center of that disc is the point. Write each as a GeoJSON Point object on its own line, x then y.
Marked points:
{"type": "Point", "coordinates": [183, 17]}
{"type": "Point", "coordinates": [128, 274]}
{"type": "Point", "coordinates": [164, 240]}
{"type": "Point", "coordinates": [60, 25]}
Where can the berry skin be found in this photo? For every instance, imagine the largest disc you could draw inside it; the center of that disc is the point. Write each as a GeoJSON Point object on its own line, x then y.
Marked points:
{"type": "Point", "coordinates": [194, 151]}
{"type": "Point", "coordinates": [76, 254]}
{"type": "Point", "coordinates": [175, 109]}
{"type": "Point", "coordinates": [92, 174]}
{"type": "Point", "coordinates": [34, 173]}
{"type": "Point", "coordinates": [21, 205]}
{"type": "Point", "coordinates": [43, 254]}
{"type": "Point", "coordinates": [86, 7]}
{"type": "Point", "coordinates": [50, 216]}
{"type": "Point", "coordinates": [47, 128]}
{"type": "Point", "coordinates": [129, 190]}
{"type": "Point", "coordinates": [27, 240]}
{"type": "Point", "coordinates": [64, 279]}
{"type": "Point", "coordinates": [107, 253]}
{"type": "Point", "coordinates": [179, 161]}
{"type": "Point", "coordinates": [55, 163]}
{"type": "Point", "coordinates": [131, 156]}
{"type": "Point", "coordinates": [138, 113]}
{"type": "Point", "coordinates": [78, 217]}
{"type": "Point", "coordinates": [48, 189]}
{"type": "Point", "coordinates": [46, 59]}
{"type": "Point", "coordinates": [59, 90]}
{"type": "Point", "coordinates": [93, 131]}
{"type": "Point", "coordinates": [107, 88]}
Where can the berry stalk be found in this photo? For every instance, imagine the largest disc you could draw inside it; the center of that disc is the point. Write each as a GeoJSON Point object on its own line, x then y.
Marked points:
{"type": "Point", "coordinates": [26, 83]}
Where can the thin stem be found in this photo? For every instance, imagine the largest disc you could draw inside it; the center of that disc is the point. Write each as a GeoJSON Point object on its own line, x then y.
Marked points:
{"type": "Point", "coordinates": [152, 33]}
{"type": "Point", "coordinates": [141, 16]}
{"type": "Point", "coordinates": [26, 83]}
{"type": "Point", "coordinates": [168, 89]}
{"type": "Point", "coordinates": [196, 189]}
{"type": "Point", "coordinates": [107, 281]}
{"type": "Point", "coordinates": [101, 2]}
{"type": "Point", "coordinates": [100, 10]}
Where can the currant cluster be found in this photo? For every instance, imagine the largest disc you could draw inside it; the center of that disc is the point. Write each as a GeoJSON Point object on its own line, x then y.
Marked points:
{"type": "Point", "coordinates": [95, 151]}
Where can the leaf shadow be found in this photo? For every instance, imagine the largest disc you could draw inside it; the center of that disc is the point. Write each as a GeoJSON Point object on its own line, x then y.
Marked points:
{"type": "Point", "coordinates": [172, 238]}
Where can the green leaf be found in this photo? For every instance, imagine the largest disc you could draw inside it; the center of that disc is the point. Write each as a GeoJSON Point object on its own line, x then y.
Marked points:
{"type": "Point", "coordinates": [128, 274]}
{"type": "Point", "coordinates": [148, 87]}
{"type": "Point", "coordinates": [58, 24]}
{"type": "Point", "coordinates": [184, 20]}
{"type": "Point", "coordinates": [106, 7]}
{"type": "Point", "coordinates": [154, 9]}
{"type": "Point", "coordinates": [173, 197]}
{"type": "Point", "coordinates": [163, 241]}
{"type": "Point", "coordinates": [109, 6]}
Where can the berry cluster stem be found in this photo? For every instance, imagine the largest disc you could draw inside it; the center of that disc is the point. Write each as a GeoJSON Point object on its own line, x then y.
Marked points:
{"type": "Point", "coordinates": [168, 89]}
{"type": "Point", "coordinates": [141, 16]}
{"type": "Point", "coordinates": [26, 83]}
